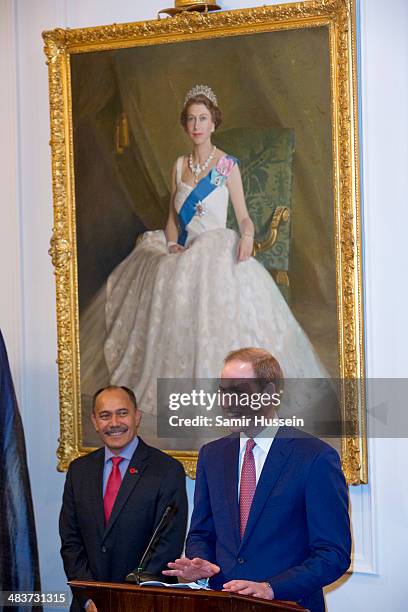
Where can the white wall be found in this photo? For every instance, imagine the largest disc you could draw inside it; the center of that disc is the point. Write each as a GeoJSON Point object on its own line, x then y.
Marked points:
{"type": "Point", "coordinates": [10, 247]}
{"type": "Point", "coordinates": [384, 84]}
{"type": "Point", "coordinates": [27, 305]}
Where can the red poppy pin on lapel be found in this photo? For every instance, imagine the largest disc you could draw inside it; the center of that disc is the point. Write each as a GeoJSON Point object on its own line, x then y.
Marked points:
{"type": "Point", "coordinates": [132, 470]}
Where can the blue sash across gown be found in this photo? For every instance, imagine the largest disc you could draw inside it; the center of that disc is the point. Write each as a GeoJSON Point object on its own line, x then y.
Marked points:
{"type": "Point", "coordinates": [203, 189]}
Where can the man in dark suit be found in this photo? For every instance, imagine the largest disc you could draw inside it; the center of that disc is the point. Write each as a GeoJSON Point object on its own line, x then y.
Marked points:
{"type": "Point", "coordinates": [115, 497]}
{"type": "Point", "coordinates": [270, 512]}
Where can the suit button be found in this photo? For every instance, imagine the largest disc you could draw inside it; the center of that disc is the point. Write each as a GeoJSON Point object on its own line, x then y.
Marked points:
{"type": "Point", "coordinates": [241, 560]}
{"type": "Point", "coordinates": [103, 549]}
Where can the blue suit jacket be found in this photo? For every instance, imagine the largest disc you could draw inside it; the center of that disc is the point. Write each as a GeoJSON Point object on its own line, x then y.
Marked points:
{"type": "Point", "coordinates": [298, 531]}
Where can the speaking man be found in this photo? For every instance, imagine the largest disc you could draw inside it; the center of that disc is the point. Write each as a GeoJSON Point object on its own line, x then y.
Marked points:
{"type": "Point", "coordinates": [115, 497]}
{"type": "Point", "coordinates": [270, 512]}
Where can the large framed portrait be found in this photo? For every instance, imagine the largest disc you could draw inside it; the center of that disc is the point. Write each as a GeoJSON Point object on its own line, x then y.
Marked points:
{"type": "Point", "coordinates": [129, 312]}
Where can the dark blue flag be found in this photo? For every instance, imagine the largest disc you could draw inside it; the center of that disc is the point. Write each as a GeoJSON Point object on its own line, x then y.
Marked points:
{"type": "Point", "coordinates": [19, 568]}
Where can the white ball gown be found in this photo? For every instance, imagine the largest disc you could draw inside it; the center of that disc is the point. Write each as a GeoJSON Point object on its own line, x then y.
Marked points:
{"type": "Point", "coordinates": [178, 315]}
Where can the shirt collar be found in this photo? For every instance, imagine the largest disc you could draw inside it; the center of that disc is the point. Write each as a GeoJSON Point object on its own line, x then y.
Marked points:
{"type": "Point", "coordinates": [126, 453]}
{"type": "Point", "coordinates": [263, 440]}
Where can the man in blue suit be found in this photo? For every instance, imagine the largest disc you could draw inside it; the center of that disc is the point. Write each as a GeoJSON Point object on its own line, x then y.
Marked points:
{"type": "Point", "coordinates": [270, 512]}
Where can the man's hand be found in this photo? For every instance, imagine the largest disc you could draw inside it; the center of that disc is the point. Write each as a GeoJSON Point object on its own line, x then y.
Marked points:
{"type": "Point", "coordinates": [245, 587]}
{"type": "Point", "coordinates": [190, 570]}
{"type": "Point", "coordinates": [90, 606]}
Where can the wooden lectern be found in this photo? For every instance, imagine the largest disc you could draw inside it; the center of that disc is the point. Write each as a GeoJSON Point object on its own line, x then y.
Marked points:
{"type": "Point", "coordinates": [113, 597]}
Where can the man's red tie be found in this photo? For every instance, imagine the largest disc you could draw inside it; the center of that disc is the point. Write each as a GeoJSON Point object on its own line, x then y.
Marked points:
{"type": "Point", "coordinates": [247, 486]}
{"type": "Point", "coordinates": [112, 487]}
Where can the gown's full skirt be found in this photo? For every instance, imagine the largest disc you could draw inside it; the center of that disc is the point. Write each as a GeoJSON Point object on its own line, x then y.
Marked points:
{"type": "Point", "coordinates": [178, 315]}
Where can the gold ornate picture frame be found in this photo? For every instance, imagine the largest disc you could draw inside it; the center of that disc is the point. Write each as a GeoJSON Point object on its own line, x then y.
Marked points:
{"type": "Point", "coordinates": [326, 29]}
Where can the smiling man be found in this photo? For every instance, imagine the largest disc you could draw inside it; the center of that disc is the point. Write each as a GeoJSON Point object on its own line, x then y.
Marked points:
{"type": "Point", "coordinates": [270, 514]}
{"type": "Point", "coordinates": [115, 497]}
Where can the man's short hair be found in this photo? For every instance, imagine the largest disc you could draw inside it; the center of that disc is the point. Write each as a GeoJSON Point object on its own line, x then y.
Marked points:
{"type": "Point", "coordinates": [130, 393]}
{"type": "Point", "coordinates": [266, 366]}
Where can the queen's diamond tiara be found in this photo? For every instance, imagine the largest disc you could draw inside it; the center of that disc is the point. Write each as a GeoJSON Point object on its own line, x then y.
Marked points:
{"type": "Point", "coordinates": [203, 90]}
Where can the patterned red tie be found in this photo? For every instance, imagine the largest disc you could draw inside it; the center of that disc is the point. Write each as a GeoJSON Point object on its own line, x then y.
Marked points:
{"type": "Point", "coordinates": [112, 488]}
{"type": "Point", "coordinates": [247, 486]}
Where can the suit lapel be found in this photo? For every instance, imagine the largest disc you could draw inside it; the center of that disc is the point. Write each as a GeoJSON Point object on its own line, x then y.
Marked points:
{"type": "Point", "coordinates": [231, 454]}
{"type": "Point", "coordinates": [278, 455]}
{"type": "Point", "coordinates": [137, 465]}
{"type": "Point", "coordinates": [96, 489]}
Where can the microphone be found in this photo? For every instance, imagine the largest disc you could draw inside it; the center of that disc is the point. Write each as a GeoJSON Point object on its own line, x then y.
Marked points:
{"type": "Point", "coordinates": [138, 575]}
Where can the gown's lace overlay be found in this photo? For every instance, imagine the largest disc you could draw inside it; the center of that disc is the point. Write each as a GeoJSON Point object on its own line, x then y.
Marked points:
{"type": "Point", "coordinates": [178, 315]}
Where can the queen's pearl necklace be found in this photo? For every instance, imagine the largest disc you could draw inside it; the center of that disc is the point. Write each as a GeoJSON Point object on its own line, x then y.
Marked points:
{"type": "Point", "coordinates": [197, 169]}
